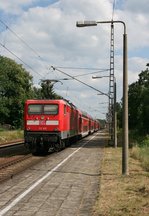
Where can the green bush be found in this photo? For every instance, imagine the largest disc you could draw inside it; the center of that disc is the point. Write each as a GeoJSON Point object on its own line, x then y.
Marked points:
{"type": "Point", "coordinates": [144, 142]}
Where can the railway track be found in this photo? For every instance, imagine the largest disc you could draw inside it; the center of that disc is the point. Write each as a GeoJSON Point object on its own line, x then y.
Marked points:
{"type": "Point", "coordinates": [11, 143]}
{"type": "Point", "coordinates": [14, 158]}
{"type": "Point", "coordinates": [6, 162]}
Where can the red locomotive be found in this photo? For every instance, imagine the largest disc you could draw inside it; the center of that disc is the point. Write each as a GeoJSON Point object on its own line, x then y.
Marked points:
{"type": "Point", "coordinates": [53, 123]}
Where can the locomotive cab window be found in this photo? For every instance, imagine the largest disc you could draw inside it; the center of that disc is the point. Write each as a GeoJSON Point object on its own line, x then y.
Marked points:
{"type": "Point", "coordinates": [51, 109]}
{"type": "Point", "coordinates": [34, 109]}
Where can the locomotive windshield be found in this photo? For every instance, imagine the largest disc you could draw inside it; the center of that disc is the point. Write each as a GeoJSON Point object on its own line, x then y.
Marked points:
{"type": "Point", "coordinates": [48, 109]}
{"type": "Point", "coordinates": [34, 109]}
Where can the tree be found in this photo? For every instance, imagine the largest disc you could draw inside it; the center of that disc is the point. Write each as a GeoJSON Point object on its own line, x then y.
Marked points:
{"type": "Point", "coordinates": [139, 103]}
{"type": "Point", "coordinates": [15, 88]}
{"type": "Point", "coordinates": [144, 106]}
{"type": "Point", "coordinates": [47, 91]}
{"type": "Point", "coordinates": [119, 114]}
{"type": "Point", "coordinates": [134, 100]}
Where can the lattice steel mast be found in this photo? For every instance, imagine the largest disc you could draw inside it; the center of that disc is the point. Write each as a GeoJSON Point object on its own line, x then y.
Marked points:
{"type": "Point", "coordinates": [111, 86]}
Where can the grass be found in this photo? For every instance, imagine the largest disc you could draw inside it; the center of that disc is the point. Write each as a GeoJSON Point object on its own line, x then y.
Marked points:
{"type": "Point", "coordinates": [122, 195]}
{"type": "Point", "coordinates": [140, 151]}
{"type": "Point", "coordinates": [9, 135]}
{"type": "Point", "coordinates": [142, 154]}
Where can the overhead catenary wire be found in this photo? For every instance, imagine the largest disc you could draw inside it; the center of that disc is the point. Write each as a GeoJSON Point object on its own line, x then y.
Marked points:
{"type": "Point", "coordinates": [26, 44]}
{"type": "Point", "coordinates": [23, 41]}
{"type": "Point", "coordinates": [86, 74]}
{"type": "Point", "coordinates": [54, 68]}
{"type": "Point", "coordinates": [19, 58]}
{"type": "Point", "coordinates": [80, 68]}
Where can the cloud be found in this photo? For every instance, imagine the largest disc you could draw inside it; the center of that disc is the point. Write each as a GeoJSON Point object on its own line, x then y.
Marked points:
{"type": "Point", "coordinates": [14, 6]}
{"type": "Point", "coordinates": [50, 30]}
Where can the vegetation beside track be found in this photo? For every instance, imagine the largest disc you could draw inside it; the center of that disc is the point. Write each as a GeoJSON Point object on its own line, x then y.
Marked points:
{"type": "Point", "coordinates": [142, 154]}
{"type": "Point", "coordinates": [140, 150]}
{"type": "Point", "coordinates": [10, 135]}
{"type": "Point", "coordinates": [122, 195]}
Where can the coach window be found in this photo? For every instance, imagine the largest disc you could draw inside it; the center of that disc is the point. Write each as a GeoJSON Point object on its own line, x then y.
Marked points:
{"type": "Point", "coordinates": [51, 109]}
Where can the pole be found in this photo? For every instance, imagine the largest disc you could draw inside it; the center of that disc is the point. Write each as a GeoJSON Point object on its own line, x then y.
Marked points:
{"type": "Point", "coordinates": [125, 108]}
{"type": "Point", "coordinates": [115, 116]}
{"type": "Point", "coordinates": [125, 90]}
{"type": "Point", "coordinates": [125, 170]}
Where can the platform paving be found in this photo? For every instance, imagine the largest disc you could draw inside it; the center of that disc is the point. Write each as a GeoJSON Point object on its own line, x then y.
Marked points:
{"type": "Point", "coordinates": [69, 189]}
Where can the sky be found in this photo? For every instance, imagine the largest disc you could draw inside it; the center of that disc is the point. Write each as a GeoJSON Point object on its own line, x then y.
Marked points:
{"type": "Point", "coordinates": [40, 34]}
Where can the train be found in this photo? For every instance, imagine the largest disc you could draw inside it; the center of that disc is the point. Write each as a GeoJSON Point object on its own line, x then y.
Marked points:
{"type": "Point", "coordinates": [54, 124]}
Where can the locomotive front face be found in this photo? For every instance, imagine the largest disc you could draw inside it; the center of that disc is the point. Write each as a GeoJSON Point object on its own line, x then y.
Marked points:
{"type": "Point", "coordinates": [42, 117]}
{"type": "Point", "coordinates": [42, 125]}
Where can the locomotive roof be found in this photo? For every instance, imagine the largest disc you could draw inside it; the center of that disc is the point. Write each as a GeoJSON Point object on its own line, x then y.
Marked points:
{"type": "Point", "coordinates": [34, 101]}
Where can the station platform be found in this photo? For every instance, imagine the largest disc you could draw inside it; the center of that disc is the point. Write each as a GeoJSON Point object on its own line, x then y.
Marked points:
{"type": "Point", "coordinates": [65, 184]}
